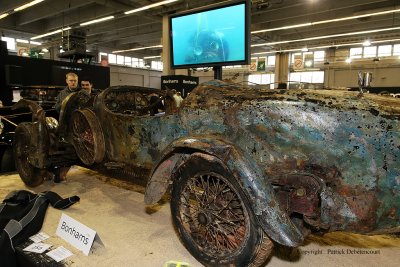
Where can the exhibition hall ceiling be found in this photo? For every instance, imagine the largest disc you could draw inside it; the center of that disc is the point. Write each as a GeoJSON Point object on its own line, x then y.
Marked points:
{"type": "Point", "coordinates": [276, 25]}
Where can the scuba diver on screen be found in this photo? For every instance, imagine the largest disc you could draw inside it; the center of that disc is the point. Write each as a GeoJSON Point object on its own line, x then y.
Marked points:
{"type": "Point", "coordinates": [206, 45]}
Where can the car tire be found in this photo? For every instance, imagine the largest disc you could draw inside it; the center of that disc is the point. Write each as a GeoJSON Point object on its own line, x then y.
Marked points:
{"type": "Point", "coordinates": [30, 175]}
{"type": "Point", "coordinates": [87, 137]}
{"type": "Point", "coordinates": [7, 160]}
{"type": "Point", "coordinates": [213, 216]}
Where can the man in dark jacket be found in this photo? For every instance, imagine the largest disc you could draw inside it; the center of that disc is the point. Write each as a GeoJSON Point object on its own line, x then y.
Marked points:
{"type": "Point", "coordinates": [72, 86]}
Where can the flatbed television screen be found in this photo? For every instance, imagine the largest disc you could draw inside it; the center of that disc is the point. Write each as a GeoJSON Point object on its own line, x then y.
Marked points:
{"type": "Point", "coordinates": [211, 36]}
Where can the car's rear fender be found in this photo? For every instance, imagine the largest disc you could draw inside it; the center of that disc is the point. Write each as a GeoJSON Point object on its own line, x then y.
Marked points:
{"type": "Point", "coordinates": [273, 220]}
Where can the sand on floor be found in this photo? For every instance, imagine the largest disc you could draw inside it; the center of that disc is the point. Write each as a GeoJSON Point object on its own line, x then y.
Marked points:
{"type": "Point", "coordinates": [135, 235]}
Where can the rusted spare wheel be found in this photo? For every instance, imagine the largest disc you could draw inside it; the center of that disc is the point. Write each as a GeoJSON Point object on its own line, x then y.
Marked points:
{"type": "Point", "coordinates": [87, 136]}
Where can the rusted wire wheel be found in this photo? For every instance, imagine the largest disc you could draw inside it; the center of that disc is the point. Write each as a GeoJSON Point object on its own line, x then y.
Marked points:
{"type": "Point", "coordinates": [22, 145]}
{"type": "Point", "coordinates": [87, 136]}
{"type": "Point", "coordinates": [213, 217]}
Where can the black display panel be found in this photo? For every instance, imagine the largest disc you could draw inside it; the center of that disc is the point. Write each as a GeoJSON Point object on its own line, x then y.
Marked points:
{"type": "Point", "coordinates": [25, 71]}
{"type": "Point", "coordinates": [211, 36]}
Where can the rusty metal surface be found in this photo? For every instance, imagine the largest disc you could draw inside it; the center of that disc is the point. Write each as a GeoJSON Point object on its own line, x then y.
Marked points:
{"type": "Point", "coordinates": [351, 143]}
{"type": "Point", "coordinates": [330, 158]}
{"type": "Point", "coordinates": [348, 143]}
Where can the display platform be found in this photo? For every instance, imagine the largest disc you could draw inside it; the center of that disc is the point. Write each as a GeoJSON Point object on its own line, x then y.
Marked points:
{"type": "Point", "coordinates": [134, 235]}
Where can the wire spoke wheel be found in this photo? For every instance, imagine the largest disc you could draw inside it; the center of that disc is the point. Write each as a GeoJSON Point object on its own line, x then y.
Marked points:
{"type": "Point", "coordinates": [211, 211]}
{"type": "Point", "coordinates": [214, 218]}
{"type": "Point", "coordinates": [30, 175]}
{"type": "Point", "coordinates": [87, 137]}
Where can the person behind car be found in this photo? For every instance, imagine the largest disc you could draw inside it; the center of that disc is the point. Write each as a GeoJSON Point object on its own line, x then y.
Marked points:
{"type": "Point", "coordinates": [156, 104]}
{"type": "Point", "coordinates": [178, 99]}
{"type": "Point", "coordinates": [72, 86]}
{"type": "Point", "coordinates": [87, 85]}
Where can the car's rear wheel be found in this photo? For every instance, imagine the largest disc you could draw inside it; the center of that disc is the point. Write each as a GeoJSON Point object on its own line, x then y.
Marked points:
{"type": "Point", "coordinates": [214, 218]}
{"type": "Point", "coordinates": [30, 175]}
{"type": "Point", "coordinates": [87, 136]}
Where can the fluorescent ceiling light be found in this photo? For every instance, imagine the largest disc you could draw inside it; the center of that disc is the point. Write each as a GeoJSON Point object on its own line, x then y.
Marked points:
{"type": "Point", "coordinates": [2, 16]}
{"type": "Point", "coordinates": [22, 41]}
{"type": "Point", "coordinates": [151, 57]}
{"type": "Point", "coordinates": [135, 49]}
{"type": "Point", "coordinates": [149, 6]}
{"type": "Point", "coordinates": [328, 21]}
{"type": "Point", "coordinates": [28, 5]}
{"type": "Point", "coordinates": [284, 28]}
{"type": "Point", "coordinates": [326, 36]}
{"type": "Point", "coordinates": [97, 20]}
{"type": "Point", "coordinates": [322, 47]}
{"type": "Point", "coordinates": [50, 33]}
{"type": "Point", "coordinates": [35, 43]}
{"type": "Point", "coordinates": [385, 41]}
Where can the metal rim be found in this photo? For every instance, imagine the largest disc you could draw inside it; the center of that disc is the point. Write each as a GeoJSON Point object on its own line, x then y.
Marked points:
{"type": "Point", "coordinates": [87, 137]}
{"type": "Point", "coordinates": [213, 214]}
{"type": "Point", "coordinates": [22, 155]}
{"type": "Point", "coordinates": [30, 175]}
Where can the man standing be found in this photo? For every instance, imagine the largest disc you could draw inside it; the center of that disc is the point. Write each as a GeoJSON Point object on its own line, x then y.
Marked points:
{"type": "Point", "coordinates": [72, 86]}
{"type": "Point", "coordinates": [87, 85]}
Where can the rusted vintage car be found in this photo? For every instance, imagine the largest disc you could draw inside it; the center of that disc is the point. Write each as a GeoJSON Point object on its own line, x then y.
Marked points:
{"type": "Point", "coordinates": [248, 167]}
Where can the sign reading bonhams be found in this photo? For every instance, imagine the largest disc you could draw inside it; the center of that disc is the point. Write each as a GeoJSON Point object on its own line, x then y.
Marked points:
{"type": "Point", "coordinates": [181, 83]}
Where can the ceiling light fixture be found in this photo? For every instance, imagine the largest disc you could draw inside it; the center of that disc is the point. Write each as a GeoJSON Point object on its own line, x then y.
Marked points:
{"type": "Point", "coordinates": [151, 57]}
{"type": "Point", "coordinates": [367, 43]}
{"type": "Point", "coordinates": [149, 6]}
{"type": "Point", "coordinates": [328, 21]}
{"type": "Point", "coordinates": [322, 47]}
{"type": "Point", "coordinates": [28, 5]}
{"type": "Point", "coordinates": [50, 33]}
{"type": "Point", "coordinates": [284, 28]}
{"type": "Point", "coordinates": [140, 48]}
{"type": "Point", "coordinates": [326, 36]}
{"type": "Point", "coordinates": [2, 16]}
{"type": "Point", "coordinates": [96, 20]}
{"type": "Point", "coordinates": [35, 43]}
{"type": "Point", "coordinates": [22, 41]}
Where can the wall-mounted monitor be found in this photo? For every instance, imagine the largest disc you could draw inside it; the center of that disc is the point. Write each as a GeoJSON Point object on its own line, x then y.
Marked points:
{"type": "Point", "coordinates": [215, 35]}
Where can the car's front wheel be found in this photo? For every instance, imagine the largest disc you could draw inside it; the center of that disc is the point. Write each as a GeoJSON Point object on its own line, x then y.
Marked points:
{"type": "Point", "coordinates": [214, 218]}
{"type": "Point", "coordinates": [30, 175]}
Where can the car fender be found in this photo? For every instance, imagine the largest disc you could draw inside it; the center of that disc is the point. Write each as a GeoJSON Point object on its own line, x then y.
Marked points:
{"type": "Point", "coordinates": [275, 222]}
{"type": "Point", "coordinates": [40, 137]}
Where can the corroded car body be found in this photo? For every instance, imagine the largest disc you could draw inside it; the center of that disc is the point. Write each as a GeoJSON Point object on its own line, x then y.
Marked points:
{"type": "Point", "coordinates": [248, 167]}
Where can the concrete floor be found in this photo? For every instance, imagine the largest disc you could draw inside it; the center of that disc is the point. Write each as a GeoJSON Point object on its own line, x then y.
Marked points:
{"type": "Point", "coordinates": [136, 236]}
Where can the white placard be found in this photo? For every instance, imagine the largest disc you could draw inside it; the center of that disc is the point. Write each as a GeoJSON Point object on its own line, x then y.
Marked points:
{"type": "Point", "coordinates": [37, 247]}
{"type": "Point", "coordinates": [59, 254]}
{"type": "Point", "coordinates": [76, 233]}
{"type": "Point", "coordinates": [39, 237]}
